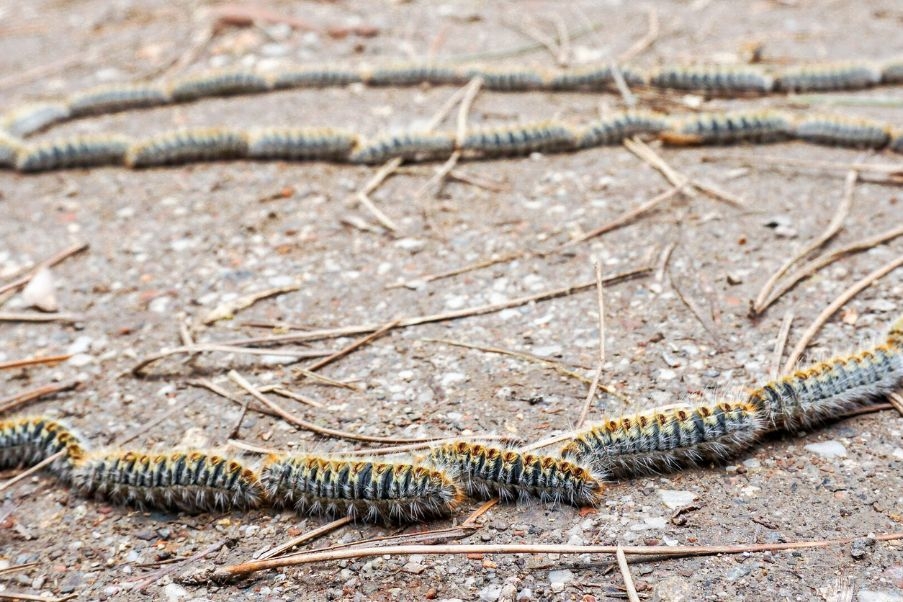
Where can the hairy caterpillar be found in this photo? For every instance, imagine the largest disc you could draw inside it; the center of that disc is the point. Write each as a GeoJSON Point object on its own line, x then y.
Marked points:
{"type": "Point", "coordinates": [78, 151]}
{"type": "Point", "coordinates": [414, 74]}
{"type": "Point", "coordinates": [727, 128]}
{"type": "Point", "coordinates": [27, 441]}
{"type": "Point", "coordinates": [827, 76]}
{"type": "Point", "coordinates": [489, 472]}
{"type": "Point", "coordinates": [190, 481]}
{"type": "Point", "coordinates": [516, 80]}
{"type": "Point", "coordinates": [664, 440]}
{"type": "Point", "coordinates": [892, 71]}
{"type": "Point", "coordinates": [218, 83]}
{"type": "Point", "coordinates": [33, 118]}
{"type": "Point", "coordinates": [409, 145]}
{"type": "Point", "coordinates": [188, 145]}
{"type": "Point", "coordinates": [837, 130]}
{"type": "Point", "coordinates": [300, 143]}
{"type": "Point", "coordinates": [712, 78]}
{"type": "Point", "coordinates": [314, 77]}
{"type": "Point", "coordinates": [367, 491]}
{"type": "Point", "coordinates": [620, 126]}
{"type": "Point", "coordinates": [822, 391]}
{"type": "Point", "coordinates": [895, 143]}
{"type": "Point", "coordinates": [110, 99]}
{"type": "Point", "coordinates": [9, 149]}
{"type": "Point", "coordinates": [588, 77]}
{"type": "Point", "coordinates": [520, 139]}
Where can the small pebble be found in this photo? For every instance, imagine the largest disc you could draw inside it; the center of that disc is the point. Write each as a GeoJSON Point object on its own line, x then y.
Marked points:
{"type": "Point", "coordinates": [491, 592]}
{"type": "Point", "coordinates": [675, 499]}
{"type": "Point", "coordinates": [828, 449]}
{"type": "Point", "coordinates": [874, 596]}
{"type": "Point", "coordinates": [673, 589]}
{"type": "Point", "coordinates": [558, 579]}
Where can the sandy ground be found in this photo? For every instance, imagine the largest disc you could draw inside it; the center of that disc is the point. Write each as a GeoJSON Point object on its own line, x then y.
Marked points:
{"type": "Point", "coordinates": [169, 245]}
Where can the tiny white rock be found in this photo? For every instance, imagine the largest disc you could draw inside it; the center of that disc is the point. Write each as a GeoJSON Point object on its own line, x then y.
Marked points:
{"type": "Point", "coordinates": [675, 499]}
{"type": "Point", "coordinates": [828, 449]}
{"type": "Point", "coordinates": [40, 292]}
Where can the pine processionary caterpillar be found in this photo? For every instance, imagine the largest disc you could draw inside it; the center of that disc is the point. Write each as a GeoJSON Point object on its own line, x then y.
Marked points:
{"type": "Point", "coordinates": [664, 440]}
{"type": "Point", "coordinates": [111, 99]}
{"type": "Point", "coordinates": [414, 74]}
{"type": "Point", "coordinates": [314, 77]}
{"type": "Point", "coordinates": [895, 143]}
{"type": "Point", "coordinates": [837, 130]}
{"type": "Point", "coordinates": [190, 481]}
{"type": "Point", "coordinates": [78, 151]}
{"type": "Point", "coordinates": [300, 144]}
{"type": "Point", "coordinates": [488, 472]}
{"type": "Point", "coordinates": [892, 71]}
{"type": "Point", "coordinates": [33, 118]}
{"type": "Point", "coordinates": [588, 77]}
{"type": "Point", "coordinates": [9, 149]}
{"type": "Point", "coordinates": [620, 126]}
{"type": "Point", "coordinates": [218, 83]}
{"type": "Point", "coordinates": [367, 491]}
{"type": "Point", "coordinates": [822, 391]}
{"type": "Point", "coordinates": [520, 139]}
{"type": "Point", "coordinates": [188, 145]}
{"type": "Point", "coordinates": [827, 76]}
{"type": "Point", "coordinates": [727, 128]}
{"type": "Point", "coordinates": [27, 441]}
{"type": "Point", "coordinates": [408, 145]}
{"type": "Point", "coordinates": [517, 80]}
{"type": "Point", "coordinates": [712, 78]}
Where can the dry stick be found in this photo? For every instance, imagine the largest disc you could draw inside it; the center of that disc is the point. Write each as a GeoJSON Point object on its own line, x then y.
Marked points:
{"type": "Point", "coordinates": [889, 169]}
{"type": "Point", "coordinates": [547, 442]}
{"type": "Point", "coordinates": [13, 316]}
{"type": "Point", "coordinates": [18, 567]}
{"type": "Point", "coordinates": [150, 579]}
{"type": "Point", "coordinates": [217, 348]}
{"type": "Point", "coordinates": [834, 306]}
{"type": "Point", "coordinates": [840, 215]}
{"type": "Point", "coordinates": [34, 361]}
{"type": "Point", "coordinates": [256, 449]}
{"type": "Point", "coordinates": [646, 41]}
{"type": "Point", "coordinates": [213, 387]}
{"type": "Point", "coordinates": [538, 36]}
{"type": "Point", "coordinates": [353, 346]}
{"type": "Point", "coordinates": [37, 467]}
{"type": "Point", "coordinates": [521, 50]}
{"type": "Point", "coordinates": [309, 426]}
{"type": "Point", "coordinates": [15, 401]}
{"type": "Point", "coordinates": [564, 40]}
{"type": "Point", "coordinates": [625, 573]}
{"type": "Point", "coordinates": [323, 380]}
{"type": "Point", "coordinates": [621, 85]}
{"type": "Point", "coordinates": [780, 344]}
{"type": "Point", "coordinates": [22, 596]}
{"type": "Point", "coordinates": [283, 392]}
{"type": "Point", "coordinates": [485, 263]}
{"type": "Point", "coordinates": [424, 537]}
{"type": "Point", "coordinates": [227, 310]}
{"type": "Point", "coordinates": [878, 407]}
{"type": "Point", "coordinates": [397, 449]}
{"type": "Point", "coordinates": [896, 401]}
{"type": "Point", "coordinates": [233, 571]}
{"type": "Point", "coordinates": [591, 394]}
{"type": "Point", "coordinates": [47, 263]}
{"type": "Point", "coordinates": [308, 536]}
{"type": "Point", "coordinates": [825, 260]}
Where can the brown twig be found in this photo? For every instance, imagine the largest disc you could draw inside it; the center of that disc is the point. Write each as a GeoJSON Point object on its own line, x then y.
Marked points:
{"type": "Point", "coordinates": [485, 263]}
{"type": "Point", "coordinates": [34, 361]}
{"type": "Point", "coordinates": [227, 310]}
{"type": "Point", "coordinates": [138, 369]}
{"type": "Point", "coordinates": [834, 306]}
{"type": "Point", "coordinates": [646, 41]}
{"type": "Point", "coordinates": [625, 574]}
{"type": "Point", "coordinates": [480, 511]}
{"type": "Point", "coordinates": [537, 35]}
{"type": "Point", "coordinates": [254, 449]}
{"type": "Point", "coordinates": [304, 537]}
{"type": "Point", "coordinates": [150, 579]}
{"type": "Point", "coordinates": [353, 346]}
{"type": "Point", "coordinates": [18, 400]}
{"type": "Point", "coordinates": [214, 388]}
{"type": "Point", "coordinates": [47, 263]}
{"type": "Point", "coordinates": [398, 449]}
{"type": "Point", "coordinates": [891, 169]}
{"type": "Point", "coordinates": [621, 85]}
{"type": "Point", "coordinates": [36, 468]}
{"type": "Point", "coordinates": [780, 344]}
{"type": "Point", "coordinates": [896, 401]}
{"type": "Point", "coordinates": [15, 316]}
{"type": "Point", "coordinates": [18, 567]}
{"type": "Point", "coordinates": [7, 595]}
{"type": "Point", "coordinates": [591, 393]}
{"type": "Point", "coordinates": [283, 392]}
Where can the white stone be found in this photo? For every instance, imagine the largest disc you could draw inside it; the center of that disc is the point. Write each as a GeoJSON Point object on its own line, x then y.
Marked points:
{"type": "Point", "coordinates": [828, 449]}
{"type": "Point", "coordinates": [873, 596]}
{"type": "Point", "coordinates": [174, 592]}
{"type": "Point", "coordinates": [675, 499]}
{"type": "Point", "coordinates": [558, 579]}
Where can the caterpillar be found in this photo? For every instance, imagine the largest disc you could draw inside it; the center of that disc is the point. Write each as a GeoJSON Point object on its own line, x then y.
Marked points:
{"type": "Point", "coordinates": [520, 139]}
{"type": "Point", "coordinates": [489, 472]}
{"type": "Point", "coordinates": [192, 482]}
{"type": "Point", "coordinates": [218, 83]}
{"type": "Point", "coordinates": [188, 145]}
{"type": "Point", "coordinates": [727, 128]}
{"type": "Point", "coordinates": [111, 99]}
{"type": "Point", "coordinates": [314, 77]}
{"type": "Point", "coordinates": [837, 130]}
{"type": "Point", "coordinates": [817, 393]}
{"type": "Point", "coordinates": [408, 145]}
{"type": "Point", "coordinates": [299, 143]}
{"type": "Point", "coordinates": [414, 74]}
{"type": "Point", "coordinates": [712, 78]}
{"type": "Point", "coordinates": [664, 440]}
{"type": "Point", "coordinates": [619, 126]}
{"type": "Point", "coordinates": [516, 80]}
{"type": "Point", "coordinates": [27, 441]}
{"type": "Point", "coordinates": [892, 71]}
{"type": "Point", "coordinates": [9, 149]}
{"type": "Point", "coordinates": [33, 118]}
{"type": "Point", "coordinates": [364, 490]}
{"type": "Point", "coordinates": [78, 151]}
{"type": "Point", "coordinates": [827, 76]}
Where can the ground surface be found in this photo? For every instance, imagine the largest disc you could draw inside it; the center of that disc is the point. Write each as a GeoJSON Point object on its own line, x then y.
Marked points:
{"type": "Point", "coordinates": [176, 242]}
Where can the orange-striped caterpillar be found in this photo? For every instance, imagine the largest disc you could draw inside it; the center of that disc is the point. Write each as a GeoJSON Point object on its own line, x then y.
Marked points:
{"type": "Point", "coordinates": [712, 78]}
{"type": "Point", "coordinates": [489, 472]}
{"type": "Point", "coordinates": [110, 99]}
{"type": "Point", "coordinates": [837, 130]}
{"type": "Point", "coordinates": [188, 481]}
{"type": "Point", "coordinates": [27, 441]}
{"type": "Point", "coordinates": [519, 139]}
{"type": "Point", "coordinates": [514, 80]}
{"type": "Point", "coordinates": [827, 76]}
{"type": "Point", "coordinates": [364, 490]}
{"type": "Point", "coordinates": [77, 151]}
{"type": "Point", "coordinates": [300, 143]}
{"type": "Point", "coordinates": [409, 145]}
{"type": "Point", "coordinates": [188, 145]}
{"type": "Point", "coordinates": [33, 118]}
{"type": "Point", "coordinates": [414, 74]}
{"type": "Point", "coordinates": [664, 440]}
{"type": "Point", "coordinates": [218, 83]}
{"type": "Point", "coordinates": [620, 126]}
{"type": "Point", "coordinates": [727, 128]}
{"type": "Point", "coordinates": [314, 77]}
{"type": "Point", "coordinates": [9, 149]}
{"type": "Point", "coordinates": [822, 391]}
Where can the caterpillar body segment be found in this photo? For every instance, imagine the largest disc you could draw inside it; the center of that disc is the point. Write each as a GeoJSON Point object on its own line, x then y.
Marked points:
{"type": "Point", "coordinates": [32, 118]}
{"type": "Point", "coordinates": [892, 71]}
{"type": "Point", "coordinates": [519, 139]}
{"type": "Point", "coordinates": [77, 151]}
{"type": "Point", "coordinates": [716, 79]}
{"type": "Point", "coordinates": [10, 147]}
{"type": "Point", "coordinates": [620, 126]}
{"type": "Point", "coordinates": [293, 144]}
{"type": "Point", "coordinates": [516, 80]}
{"type": "Point", "coordinates": [414, 74]}
{"type": "Point", "coordinates": [407, 145]}
{"type": "Point", "coordinates": [314, 77]}
{"type": "Point", "coordinates": [837, 130]}
{"type": "Point", "coordinates": [192, 482]}
{"type": "Point", "coordinates": [895, 140]}
{"type": "Point", "coordinates": [488, 472]}
{"type": "Point", "coordinates": [727, 128]}
{"type": "Point", "coordinates": [364, 490]}
{"type": "Point", "coordinates": [828, 76]}
{"type": "Point", "coordinates": [187, 146]}
{"type": "Point", "coordinates": [587, 77]}
{"type": "Point", "coordinates": [218, 83]}
{"type": "Point", "coordinates": [114, 98]}
{"type": "Point", "coordinates": [820, 392]}
{"type": "Point", "coordinates": [664, 440]}
{"type": "Point", "coordinates": [27, 441]}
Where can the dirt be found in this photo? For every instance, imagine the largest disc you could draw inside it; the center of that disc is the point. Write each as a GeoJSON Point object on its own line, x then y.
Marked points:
{"type": "Point", "coordinates": [169, 245]}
